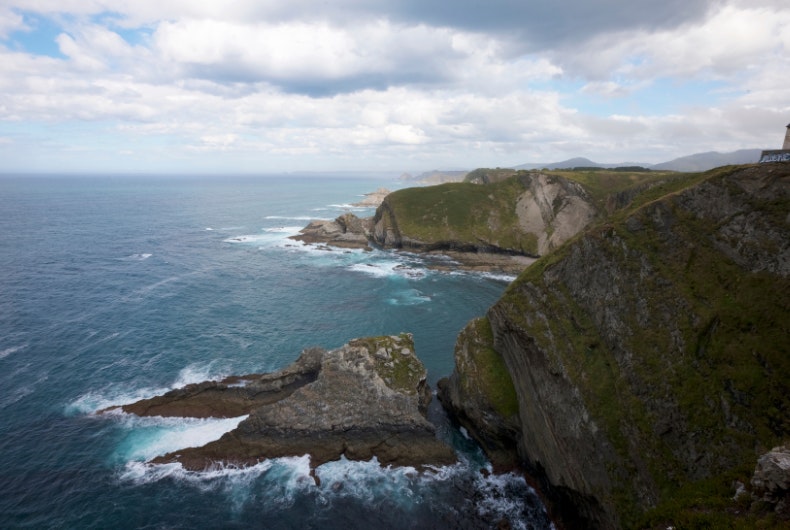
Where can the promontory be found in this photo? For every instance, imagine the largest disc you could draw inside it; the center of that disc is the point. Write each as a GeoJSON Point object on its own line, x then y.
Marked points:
{"type": "Point", "coordinates": [365, 399]}
{"type": "Point", "coordinates": [640, 370]}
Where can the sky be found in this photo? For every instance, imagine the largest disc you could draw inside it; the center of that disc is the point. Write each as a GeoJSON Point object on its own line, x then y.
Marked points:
{"type": "Point", "coordinates": [261, 86]}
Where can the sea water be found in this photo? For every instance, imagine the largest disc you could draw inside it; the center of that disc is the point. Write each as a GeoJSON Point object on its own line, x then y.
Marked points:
{"type": "Point", "coordinates": [118, 288]}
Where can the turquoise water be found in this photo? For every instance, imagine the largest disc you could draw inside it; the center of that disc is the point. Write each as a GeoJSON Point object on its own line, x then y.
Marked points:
{"type": "Point", "coordinates": [118, 288]}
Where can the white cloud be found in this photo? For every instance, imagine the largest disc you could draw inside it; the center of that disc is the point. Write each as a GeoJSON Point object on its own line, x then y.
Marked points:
{"type": "Point", "coordinates": [253, 79]}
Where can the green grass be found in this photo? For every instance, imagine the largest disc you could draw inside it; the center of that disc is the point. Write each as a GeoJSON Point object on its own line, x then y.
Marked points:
{"type": "Point", "coordinates": [469, 214]}
{"type": "Point", "coordinates": [483, 216]}
{"type": "Point", "coordinates": [401, 372]}
{"type": "Point", "coordinates": [732, 326]}
{"type": "Point", "coordinates": [492, 375]}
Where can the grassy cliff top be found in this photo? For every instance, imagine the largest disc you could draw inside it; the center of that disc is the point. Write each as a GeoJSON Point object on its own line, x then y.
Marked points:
{"type": "Point", "coordinates": [482, 215]}
{"type": "Point", "coordinates": [672, 320]}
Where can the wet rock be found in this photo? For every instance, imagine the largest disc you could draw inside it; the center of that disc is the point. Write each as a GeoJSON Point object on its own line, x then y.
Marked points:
{"type": "Point", "coordinates": [327, 404]}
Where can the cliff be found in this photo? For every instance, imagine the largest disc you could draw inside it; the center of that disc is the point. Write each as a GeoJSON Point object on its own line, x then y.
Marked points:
{"type": "Point", "coordinates": [365, 399]}
{"type": "Point", "coordinates": [648, 356]}
{"type": "Point", "coordinates": [526, 214]}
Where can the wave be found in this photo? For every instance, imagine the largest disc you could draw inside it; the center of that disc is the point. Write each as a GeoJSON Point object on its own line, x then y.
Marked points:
{"type": "Point", "coordinates": [117, 394]}
{"type": "Point", "coordinates": [408, 297]}
{"type": "Point", "coordinates": [384, 269]}
{"type": "Point", "coordinates": [484, 497]}
{"type": "Point", "coordinates": [142, 256]}
{"type": "Point", "coordinates": [267, 236]}
{"type": "Point", "coordinates": [149, 437]}
{"type": "Point", "coordinates": [290, 218]}
{"type": "Point", "coordinates": [13, 349]}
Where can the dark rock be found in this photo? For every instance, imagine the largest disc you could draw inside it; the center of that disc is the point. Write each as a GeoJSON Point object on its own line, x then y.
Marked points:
{"type": "Point", "coordinates": [651, 349]}
{"type": "Point", "coordinates": [346, 231]}
{"type": "Point", "coordinates": [347, 401]}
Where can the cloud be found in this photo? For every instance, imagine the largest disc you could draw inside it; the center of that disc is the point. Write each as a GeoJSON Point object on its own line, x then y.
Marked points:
{"type": "Point", "coordinates": [358, 82]}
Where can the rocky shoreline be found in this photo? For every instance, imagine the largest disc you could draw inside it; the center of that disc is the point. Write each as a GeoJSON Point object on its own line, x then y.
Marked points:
{"type": "Point", "coordinates": [365, 399]}
{"type": "Point", "coordinates": [350, 231]}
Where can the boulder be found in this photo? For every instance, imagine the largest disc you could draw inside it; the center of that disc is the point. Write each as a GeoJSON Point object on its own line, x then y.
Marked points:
{"type": "Point", "coordinates": [771, 481]}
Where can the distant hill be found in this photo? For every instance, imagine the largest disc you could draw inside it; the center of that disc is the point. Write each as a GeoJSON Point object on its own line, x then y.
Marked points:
{"type": "Point", "coordinates": [577, 162]}
{"type": "Point", "coordinates": [706, 161]}
{"type": "Point", "coordinates": [695, 162]}
{"type": "Point", "coordinates": [435, 177]}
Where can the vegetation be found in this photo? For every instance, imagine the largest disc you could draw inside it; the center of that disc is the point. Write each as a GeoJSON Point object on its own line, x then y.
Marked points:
{"type": "Point", "coordinates": [492, 376]}
{"type": "Point", "coordinates": [401, 371]}
{"type": "Point", "coordinates": [478, 216]}
{"type": "Point", "coordinates": [705, 354]}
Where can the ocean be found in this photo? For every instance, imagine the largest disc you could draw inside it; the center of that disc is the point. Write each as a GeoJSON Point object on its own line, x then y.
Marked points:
{"type": "Point", "coordinates": [116, 288]}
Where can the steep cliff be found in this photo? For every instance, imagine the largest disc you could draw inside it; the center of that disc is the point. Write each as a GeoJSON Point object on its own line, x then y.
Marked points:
{"type": "Point", "coordinates": [528, 214]}
{"type": "Point", "coordinates": [649, 356]}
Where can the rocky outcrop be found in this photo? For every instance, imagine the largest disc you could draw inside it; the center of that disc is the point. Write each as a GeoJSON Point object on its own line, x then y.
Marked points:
{"type": "Point", "coordinates": [480, 395]}
{"type": "Point", "coordinates": [501, 226]}
{"type": "Point", "coordinates": [347, 231]}
{"type": "Point", "coordinates": [650, 353]}
{"type": "Point", "coordinates": [527, 214]}
{"type": "Point", "coordinates": [554, 209]}
{"type": "Point", "coordinates": [366, 399]}
{"type": "Point", "coordinates": [373, 199]}
{"type": "Point", "coordinates": [771, 482]}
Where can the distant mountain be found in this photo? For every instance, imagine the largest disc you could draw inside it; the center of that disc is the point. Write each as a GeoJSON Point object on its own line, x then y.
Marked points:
{"type": "Point", "coordinates": [696, 162]}
{"type": "Point", "coordinates": [577, 162]}
{"type": "Point", "coordinates": [706, 161]}
{"type": "Point", "coordinates": [436, 177]}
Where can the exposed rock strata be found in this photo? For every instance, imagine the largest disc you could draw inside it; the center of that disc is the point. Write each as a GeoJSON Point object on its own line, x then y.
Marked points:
{"type": "Point", "coordinates": [651, 352]}
{"type": "Point", "coordinates": [505, 230]}
{"type": "Point", "coordinates": [554, 209]}
{"type": "Point", "coordinates": [365, 399]}
{"type": "Point", "coordinates": [347, 231]}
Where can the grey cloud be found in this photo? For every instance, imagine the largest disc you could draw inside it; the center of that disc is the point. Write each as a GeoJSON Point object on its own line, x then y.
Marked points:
{"type": "Point", "coordinates": [533, 25]}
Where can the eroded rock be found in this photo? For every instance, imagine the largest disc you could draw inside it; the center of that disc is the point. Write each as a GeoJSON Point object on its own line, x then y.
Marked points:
{"type": "Point", "coordinates": [347, 401]}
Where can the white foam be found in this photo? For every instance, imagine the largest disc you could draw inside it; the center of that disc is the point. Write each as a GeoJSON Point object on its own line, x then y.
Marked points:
{"type": "Point", "coordinates": [366, 480]}
{"type": "Point", "coordinates": [503, 495]}
{"type": "Point", "coordinates": [283, 230]}
{"type": "Point", "coordinates": [13, 349]}
{"type": "Point", "coordinates": [290, 218]}
{"type": "Point", "coordinates": [150, 437]}
{"type": "Point", "coordinates": [384, 269]}
{"type": "Point", "coordinates": [115, 395]}
{"type": "Point", "coordinates": [409, 297]}
{"type": "Point", "coordinates": [500, 277]}
{"type": "Point", "coordinates": [142, 256]}
{"type": "Point", "coordinates": [144, 473]}
{"type": "Point", "coordinates": [268, 236]}
{"type": "Point", "coordinates": [199, 372]}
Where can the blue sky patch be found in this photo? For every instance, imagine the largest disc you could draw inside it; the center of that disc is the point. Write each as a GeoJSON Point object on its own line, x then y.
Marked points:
{"type": "Point", "coordinates": [39, 38]}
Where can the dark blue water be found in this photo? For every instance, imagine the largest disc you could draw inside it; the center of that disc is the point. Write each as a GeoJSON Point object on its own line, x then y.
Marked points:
{"type": "Point", "coordinates": [118, 288]}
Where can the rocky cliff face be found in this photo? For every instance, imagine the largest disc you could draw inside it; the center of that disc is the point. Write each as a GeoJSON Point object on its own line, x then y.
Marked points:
{"type": "Point", "coordinates": [365, 399]}
{"type": "Point", "coordinates": [651, 353]}
{"type": "Point", "coordinates": [502, 225]}
{"type": "Point", "coordinates": [529, 214]}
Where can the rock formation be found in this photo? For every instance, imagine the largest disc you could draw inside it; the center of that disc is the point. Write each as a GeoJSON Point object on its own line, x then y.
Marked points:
{"type": "Point", "coordinates": [771, 481]}
{"type": "Point", "coordinates": [365, 399]}
{"type": "Point", "coordinates": [648, 354]}
{"type": "Point", "coordinates": [373, 199]}
{"type": "Point", "coordinates": [347, 231]}
{"type": "Point", "coordinates": [503, 225]}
